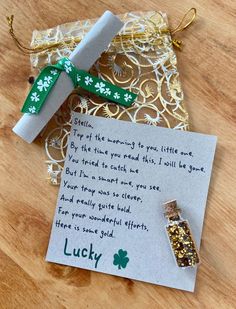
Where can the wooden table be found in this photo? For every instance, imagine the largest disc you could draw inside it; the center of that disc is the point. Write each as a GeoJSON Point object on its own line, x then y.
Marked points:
{"type": "Point", "coordinates": [27, 205]}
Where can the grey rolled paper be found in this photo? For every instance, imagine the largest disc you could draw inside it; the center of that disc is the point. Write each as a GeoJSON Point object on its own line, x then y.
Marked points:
{"type": "Point", "coordinates": [83, 57]}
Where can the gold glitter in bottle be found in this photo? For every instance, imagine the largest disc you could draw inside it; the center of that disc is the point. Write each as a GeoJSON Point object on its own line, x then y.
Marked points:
{"type": "Point", "coordinates": [180, 237]}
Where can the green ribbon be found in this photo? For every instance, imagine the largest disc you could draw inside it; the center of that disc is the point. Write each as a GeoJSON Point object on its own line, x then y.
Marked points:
{"type": "Point", "coordinates": [49, 75]}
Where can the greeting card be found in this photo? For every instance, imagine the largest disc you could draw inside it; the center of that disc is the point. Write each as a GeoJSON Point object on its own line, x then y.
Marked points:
{"type": "Point", "coordinates": [117, 176]}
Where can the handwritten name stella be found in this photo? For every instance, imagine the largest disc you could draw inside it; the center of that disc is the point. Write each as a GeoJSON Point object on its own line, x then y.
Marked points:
{"type": "Point", "coordinates": [82, 252]}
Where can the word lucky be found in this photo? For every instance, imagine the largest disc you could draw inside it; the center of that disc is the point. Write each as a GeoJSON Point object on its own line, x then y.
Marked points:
{"type": "Point", "coordinates": [84, 253]}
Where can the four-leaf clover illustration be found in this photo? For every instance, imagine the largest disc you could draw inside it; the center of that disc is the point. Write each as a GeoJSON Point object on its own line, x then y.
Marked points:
{"type": "Point", "coordinates": [42, 85]}
{"type": "Point", "coordinates": [116, 95]}
{"type": "Point", "coordinates": [34, 97]}
{"type": "Point", "coordinates": [48, 79]}
{"type": "Point", "coordinates": [107, 91]}
{"type": "Point", "coordinates": [32, 109]}
{"type": "Point", "coordinates": [127, 97]}
{"type": "Point", "coordinates": [121, 259]}
{"type": "Point", "coordinates": [88, 80]}
{"type": "Point", "coordinates": [68, 66]}
{"type": "Point", "coordinates": [100, 87]}
{"type": "Point", "coordinates": [54, 72]}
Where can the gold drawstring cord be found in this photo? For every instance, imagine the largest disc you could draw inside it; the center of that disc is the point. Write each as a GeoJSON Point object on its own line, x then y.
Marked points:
{"type": "Point", "coordinates": [184, 23]}
{"type": "Point", "coordinates": [24, 49]}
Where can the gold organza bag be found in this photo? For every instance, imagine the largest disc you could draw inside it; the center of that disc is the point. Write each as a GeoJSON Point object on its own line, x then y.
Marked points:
{"type": "Point", "coordinates": [140, 58]}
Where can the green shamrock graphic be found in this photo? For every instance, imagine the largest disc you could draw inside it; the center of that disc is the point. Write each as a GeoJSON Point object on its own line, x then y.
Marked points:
{"type": "Point", "coordinates": [121, 259]}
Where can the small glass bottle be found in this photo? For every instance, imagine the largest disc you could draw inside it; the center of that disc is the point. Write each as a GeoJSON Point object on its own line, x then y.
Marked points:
{"type": "Point", "coordinates": [180, 237]}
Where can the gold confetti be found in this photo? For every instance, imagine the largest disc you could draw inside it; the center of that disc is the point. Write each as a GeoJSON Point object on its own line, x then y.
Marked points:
{"type": "Point", "coordinates": [180, 237]}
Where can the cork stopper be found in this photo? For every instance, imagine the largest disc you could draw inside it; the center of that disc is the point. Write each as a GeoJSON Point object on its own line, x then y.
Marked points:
{"type": "Point", "coordinates": [172, 212]}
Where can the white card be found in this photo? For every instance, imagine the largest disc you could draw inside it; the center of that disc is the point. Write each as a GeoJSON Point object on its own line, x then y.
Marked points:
{"type": "Point", "coordinates": [117, 176]}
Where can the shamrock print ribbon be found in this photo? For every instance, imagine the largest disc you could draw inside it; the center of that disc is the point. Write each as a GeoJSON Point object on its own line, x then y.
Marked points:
{"type": "Point", "coordinates": [49, 75]}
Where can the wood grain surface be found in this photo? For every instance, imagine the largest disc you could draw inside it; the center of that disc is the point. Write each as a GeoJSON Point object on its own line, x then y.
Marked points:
{"type": "Point", "coordinates": [27, 202]}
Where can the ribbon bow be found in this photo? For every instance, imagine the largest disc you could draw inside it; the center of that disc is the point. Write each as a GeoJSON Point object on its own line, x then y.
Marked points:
{"type": "Point", "coordinates": [49, 75]}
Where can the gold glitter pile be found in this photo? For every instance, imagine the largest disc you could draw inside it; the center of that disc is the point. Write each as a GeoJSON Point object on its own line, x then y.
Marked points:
{"type": "Point", "coordinates": [180, 237]}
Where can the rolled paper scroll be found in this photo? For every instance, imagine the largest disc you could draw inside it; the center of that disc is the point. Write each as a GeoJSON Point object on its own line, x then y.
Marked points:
{"type": "Point", "coordinates": [83, 57]}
